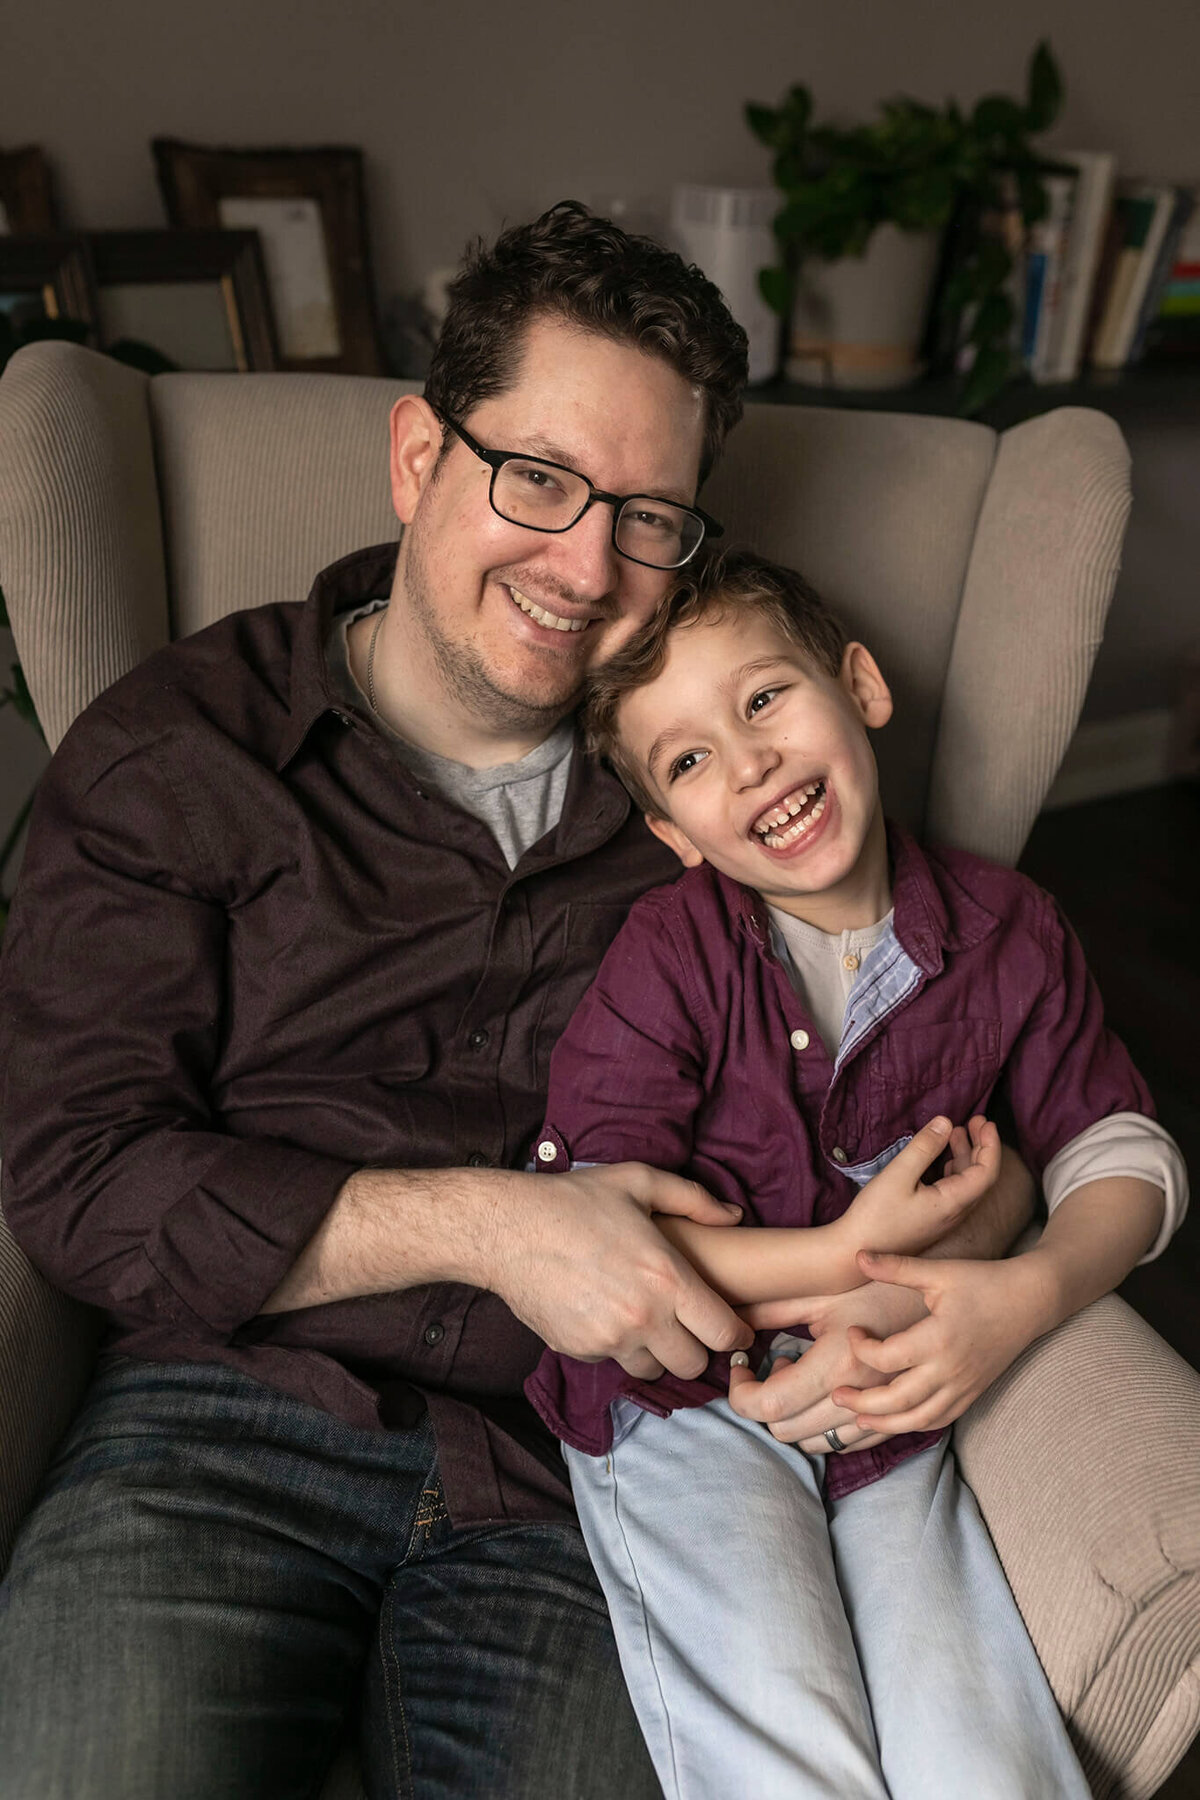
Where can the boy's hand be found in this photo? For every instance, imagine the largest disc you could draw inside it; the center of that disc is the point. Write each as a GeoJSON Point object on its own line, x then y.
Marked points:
{"type": "Point", "coordinates": [896, 1211]}
{"type": "Point", "coordinates": [981, 1316]}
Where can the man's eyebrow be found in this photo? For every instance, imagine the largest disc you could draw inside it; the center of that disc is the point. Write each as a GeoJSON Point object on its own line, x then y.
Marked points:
{"type": "Point", "coordinates": [549, 451]}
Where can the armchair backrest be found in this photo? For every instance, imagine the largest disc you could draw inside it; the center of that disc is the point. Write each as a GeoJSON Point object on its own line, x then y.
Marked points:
{"type": "Point", "coordinates": [978, 566]}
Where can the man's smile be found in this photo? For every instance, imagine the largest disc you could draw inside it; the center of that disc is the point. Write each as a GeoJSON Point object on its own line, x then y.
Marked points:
{"type": "Point", "coordinates": [541, 615]}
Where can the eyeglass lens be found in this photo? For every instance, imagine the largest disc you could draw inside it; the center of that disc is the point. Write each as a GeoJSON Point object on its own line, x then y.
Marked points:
{"type": "Point", "coordinates": [551, 499]}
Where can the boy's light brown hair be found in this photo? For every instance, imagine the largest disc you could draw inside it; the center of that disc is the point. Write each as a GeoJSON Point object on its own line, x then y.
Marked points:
{"type": "Point", "coordinates": [725, 582]}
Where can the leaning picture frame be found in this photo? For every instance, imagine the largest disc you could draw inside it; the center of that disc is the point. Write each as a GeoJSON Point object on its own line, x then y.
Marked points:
{"type": "Point", "coordinates": [26, 195]}
{"type": "Point", "coordinates": [309, 208]}
{"type": "Point", "coordinates": [47, 278]}
{"type": "Point", "coordinates": [198, 298]}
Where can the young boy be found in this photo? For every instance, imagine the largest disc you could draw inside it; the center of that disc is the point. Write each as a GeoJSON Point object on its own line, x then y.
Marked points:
{"type": "Point", "coordinates": [773, 1025]}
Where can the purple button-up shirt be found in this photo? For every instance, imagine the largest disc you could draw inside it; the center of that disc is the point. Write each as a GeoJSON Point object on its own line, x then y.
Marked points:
{"type": "Point", "coordinates": [680, 1055]}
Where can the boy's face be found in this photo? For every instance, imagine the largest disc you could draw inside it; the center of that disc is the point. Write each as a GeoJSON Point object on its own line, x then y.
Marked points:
{"type": "Point", "coordinates": [763, 767]}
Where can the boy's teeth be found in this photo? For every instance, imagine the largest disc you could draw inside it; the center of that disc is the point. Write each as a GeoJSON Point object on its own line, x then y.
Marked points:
{"type": "Point", "coordinates": [776, 840]}
{"type": "Point", "coordinates": [541, 617]}
{"type": "Point", "coordinates": [787, 809]}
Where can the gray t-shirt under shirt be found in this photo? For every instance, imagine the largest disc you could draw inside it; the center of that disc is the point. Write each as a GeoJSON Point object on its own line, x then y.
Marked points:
{"type": "Point", "coordinates": [519, 802]}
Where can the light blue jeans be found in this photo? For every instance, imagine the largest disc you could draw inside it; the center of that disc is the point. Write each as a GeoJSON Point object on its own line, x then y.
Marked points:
{"type": "Point", "coordinates": [779, 1646]}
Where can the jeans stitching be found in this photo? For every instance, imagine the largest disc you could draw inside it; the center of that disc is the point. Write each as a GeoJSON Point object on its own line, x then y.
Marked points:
{"type": "Point", "coordinates": [393, 1702]}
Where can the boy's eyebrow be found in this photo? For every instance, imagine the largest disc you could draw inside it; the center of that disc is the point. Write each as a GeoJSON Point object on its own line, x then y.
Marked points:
{"type": "Point", "coordinates": [670, 736]}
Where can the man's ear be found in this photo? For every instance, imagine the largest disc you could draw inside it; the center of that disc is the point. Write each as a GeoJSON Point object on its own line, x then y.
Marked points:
{"type": "Point", "coordinates": [675, 840]}
{"type": "Point", "coordinates": [416, 442]}
{"type": "Point", "coordinates": [863, 681]}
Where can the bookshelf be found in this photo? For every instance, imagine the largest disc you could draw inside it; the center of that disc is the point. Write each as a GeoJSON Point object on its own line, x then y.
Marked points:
{"type": "Point", "coordinates": [1149, 393]}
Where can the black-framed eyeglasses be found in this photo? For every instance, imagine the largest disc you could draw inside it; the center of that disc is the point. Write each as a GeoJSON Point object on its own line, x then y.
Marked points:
{"type": "Point", "coordinates": [545, 496]}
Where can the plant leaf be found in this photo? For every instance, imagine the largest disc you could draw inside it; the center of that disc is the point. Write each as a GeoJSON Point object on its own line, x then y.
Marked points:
{"type": "Point", "coordinates": [775, 286]}
{"type": "Point", "coordinates": [766, 124]}
{"type": "Point", "coordinates": [1045, 89]}
{"type": "Point", "coordinates": [989, 372]}
{"type": "Point", "coordinates": [138, 355]}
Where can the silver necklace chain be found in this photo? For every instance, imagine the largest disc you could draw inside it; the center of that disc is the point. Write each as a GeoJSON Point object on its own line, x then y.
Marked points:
{"type": "Point", "coordinates": [371, 662]}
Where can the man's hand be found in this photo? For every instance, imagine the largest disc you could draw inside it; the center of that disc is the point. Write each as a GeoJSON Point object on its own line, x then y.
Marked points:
{"type": "Point", "coordinates": [583, 1266]}
{"type": "Point", "coordinates": [794, 1401]}
{"type": "Point", "coordinates": [898, 1211]}
{"type": "Point", "coordinates": [981, 1315]}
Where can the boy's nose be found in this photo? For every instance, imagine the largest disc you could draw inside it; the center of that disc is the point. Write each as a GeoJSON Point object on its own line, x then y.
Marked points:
{"type": "Point", "coordinates": [753, 761]}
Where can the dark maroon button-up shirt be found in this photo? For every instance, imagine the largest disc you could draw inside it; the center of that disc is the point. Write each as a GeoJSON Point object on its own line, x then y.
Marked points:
{"type": "Point", "coordinates": [251, 953]}
{"type": "Point", "coordinates": [681, 1056]}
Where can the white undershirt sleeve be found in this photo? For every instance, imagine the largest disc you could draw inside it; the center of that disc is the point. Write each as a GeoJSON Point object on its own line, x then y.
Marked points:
{"type": "Point", "coordinates": [1123, 1144]}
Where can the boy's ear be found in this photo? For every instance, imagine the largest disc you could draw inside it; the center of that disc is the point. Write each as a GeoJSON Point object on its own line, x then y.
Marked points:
{"type": "Point", "coordinates": [675, 840]}
{"type": "Point", "coordinates": [863, 681]}
{"type": "Point", "coordinates": [416, 442]}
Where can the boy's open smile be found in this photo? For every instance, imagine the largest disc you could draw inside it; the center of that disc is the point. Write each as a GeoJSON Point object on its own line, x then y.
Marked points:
{"type": "Point", "coordinates": [790, 823]}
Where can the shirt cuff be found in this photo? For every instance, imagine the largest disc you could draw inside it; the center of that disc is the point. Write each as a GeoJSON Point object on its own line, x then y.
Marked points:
{"type": "Point", "coordinates": [1123, 1144]}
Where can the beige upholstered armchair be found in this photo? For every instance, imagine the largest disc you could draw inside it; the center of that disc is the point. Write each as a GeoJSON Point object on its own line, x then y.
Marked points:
{"type": "Point", "coordinates": [979, 568]}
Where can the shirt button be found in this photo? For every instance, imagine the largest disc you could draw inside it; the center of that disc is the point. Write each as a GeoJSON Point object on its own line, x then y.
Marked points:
{"type": "Point", "coordinates": [434, 1334]}
{"type": "Point", "coordinates": [479, 1040]}
{"type": "Point", "coordinates": [839, 1155]}
{"type": "Point", "coordinates": [477, 1160]}
{"type": "Point", "coordinates": [799, 1040]}
{"type": "Point", "coordinates": [546, 1151]}
{"type": "Point", "coordinates": [851, 961]}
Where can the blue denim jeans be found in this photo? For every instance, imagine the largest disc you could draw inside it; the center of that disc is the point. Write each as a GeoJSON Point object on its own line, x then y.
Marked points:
{"type": "Point", "coordinates": [219, 1581]}
{"type": "Point", "coordinates": [774, 1645]}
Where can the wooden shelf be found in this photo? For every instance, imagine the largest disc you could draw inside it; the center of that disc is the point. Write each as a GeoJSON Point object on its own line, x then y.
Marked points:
{"type": "Point", "coordinates": [1151, 392]}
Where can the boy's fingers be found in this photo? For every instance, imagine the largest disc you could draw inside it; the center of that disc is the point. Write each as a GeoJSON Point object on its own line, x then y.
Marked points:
{"type": "Point", "coordinates": [767, 1315]}
{"type": "Point", "coordinates": [894, 1397]}
{"type": "Point", "coordinates": [922, 1148]}
{"type": "Point", "coordinates": [888, 1355]}
{"type": "Point", "coordinates": [897, 1271]}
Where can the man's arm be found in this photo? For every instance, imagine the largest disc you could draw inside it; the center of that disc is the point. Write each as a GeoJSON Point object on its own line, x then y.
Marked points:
{"type": "Point", "coordinates": [574, 1255]}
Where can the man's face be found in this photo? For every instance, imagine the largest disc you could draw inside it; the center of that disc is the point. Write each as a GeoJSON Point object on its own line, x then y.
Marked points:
{"type": "Point", "coordinates": [623, 419]}
{"type": "Point", "coordinates": [762, 763]}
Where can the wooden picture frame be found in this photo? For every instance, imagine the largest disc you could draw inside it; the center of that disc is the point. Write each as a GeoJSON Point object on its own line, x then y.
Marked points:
{"type": "Point", "coordinates": [225, 323]}
{"type": "Point", "coordinates": [54, 273]}
{"type": "Point", "coordinates": [26, 194]}
{"type": "Point", "coordinates": [309, 207]}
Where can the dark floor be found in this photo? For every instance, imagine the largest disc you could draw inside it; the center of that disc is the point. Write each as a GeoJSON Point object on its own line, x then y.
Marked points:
{"type": "Point", "coordinates": [1127, 872]}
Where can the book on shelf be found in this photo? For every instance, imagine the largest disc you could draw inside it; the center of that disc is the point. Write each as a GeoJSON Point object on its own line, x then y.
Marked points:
{"type": "Point", "coordinates": [1142, 217]}
{"type": "Point", "coordinates": [1174, 325]}
{"type": "Point", "coordinates": [1045, 258]}
{"type": "Point", "coordinates": [1096, 173]}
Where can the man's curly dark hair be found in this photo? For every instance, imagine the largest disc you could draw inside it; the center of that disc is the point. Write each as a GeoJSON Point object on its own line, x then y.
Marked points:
{"type": "Point", "coordinates": [568, 264]}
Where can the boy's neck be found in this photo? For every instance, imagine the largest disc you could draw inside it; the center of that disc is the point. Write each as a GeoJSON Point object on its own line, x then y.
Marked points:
{"type": "Point", "coordinates": [861, 900]}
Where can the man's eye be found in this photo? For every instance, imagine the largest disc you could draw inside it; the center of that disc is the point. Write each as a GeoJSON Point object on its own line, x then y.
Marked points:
{"type": "Point", "coordinates": [763, 698]}
{"type": "Point", "coordinates": [685, 763]}
{"type": "Point", "coordinates": [541, 479]}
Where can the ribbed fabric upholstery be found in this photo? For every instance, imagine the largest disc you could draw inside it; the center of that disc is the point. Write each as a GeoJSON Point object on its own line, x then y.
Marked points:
{"type": "Point", "coordinates": [1043, 566]}
{"type": "Point", "coordinates": [879, 511]}
{"type": "Point", "coordinates": [1085, 1459]}
{"type": "Point", "coordinates": [265, 482]}
{"type": "Point", "coordinates": [81, 557]}
{"type": "Point", "coordinates": [47, 1344]}
{"type": "Point", "coordinates": [975, 565]}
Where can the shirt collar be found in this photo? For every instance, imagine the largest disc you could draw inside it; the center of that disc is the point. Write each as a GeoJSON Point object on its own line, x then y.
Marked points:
{"type": "Point", "coordinates": [933, 913]}
{"type": "Point", "coordinates": [596, 805]}
{"type": "Point", "coordinates": [364, 575]}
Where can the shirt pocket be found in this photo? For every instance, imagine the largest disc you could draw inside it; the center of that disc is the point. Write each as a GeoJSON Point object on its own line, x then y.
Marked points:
{"type": "Point", "coordinates": [918, 1070]}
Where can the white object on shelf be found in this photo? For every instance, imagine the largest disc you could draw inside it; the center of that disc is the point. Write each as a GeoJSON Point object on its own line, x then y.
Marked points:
{"type": "Point", "coordinates": [726, 232]}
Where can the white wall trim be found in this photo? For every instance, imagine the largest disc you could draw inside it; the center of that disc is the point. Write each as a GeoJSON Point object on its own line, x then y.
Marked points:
{"type": "Point", "coordinates": [1113, 756]}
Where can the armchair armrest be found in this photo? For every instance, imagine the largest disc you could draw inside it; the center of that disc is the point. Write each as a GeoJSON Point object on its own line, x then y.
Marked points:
{"type": "Point", "coordinates": [47, 1345]}
{"type": "Point", "coordinates": [1085, 1460]}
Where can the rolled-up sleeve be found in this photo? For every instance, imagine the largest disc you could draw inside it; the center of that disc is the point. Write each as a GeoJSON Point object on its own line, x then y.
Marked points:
{"type": "Point", "coordinates": [119, 1179]}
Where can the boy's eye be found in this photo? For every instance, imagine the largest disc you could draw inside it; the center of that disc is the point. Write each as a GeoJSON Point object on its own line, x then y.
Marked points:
{"type": "Point", "coordinates": [762, 698]}
{"type": "Point", "coordinates": [683, 764]}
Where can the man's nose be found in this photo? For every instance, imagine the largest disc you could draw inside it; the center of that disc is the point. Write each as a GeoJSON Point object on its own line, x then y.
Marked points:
{"type": "Point", "coordinates": [585, 555]}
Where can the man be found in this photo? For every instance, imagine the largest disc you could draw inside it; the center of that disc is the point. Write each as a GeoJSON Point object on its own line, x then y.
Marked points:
{"type": "Point", "coordinates": [307, 901]}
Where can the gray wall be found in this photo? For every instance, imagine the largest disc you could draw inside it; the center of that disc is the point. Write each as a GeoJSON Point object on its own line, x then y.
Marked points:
{"type": "Point", "coordinates": [471, 112]}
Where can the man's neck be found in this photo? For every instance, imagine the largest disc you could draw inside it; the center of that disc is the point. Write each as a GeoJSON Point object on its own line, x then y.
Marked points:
{"type": "Point", "coordinates": [406, 689]}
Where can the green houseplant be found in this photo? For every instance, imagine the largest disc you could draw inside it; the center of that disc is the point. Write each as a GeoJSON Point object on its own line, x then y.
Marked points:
{"type": "Point", "coordinates": [920, 168]}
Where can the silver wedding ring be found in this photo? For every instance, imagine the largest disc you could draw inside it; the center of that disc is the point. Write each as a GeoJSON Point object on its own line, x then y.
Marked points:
{"type": "Point", "coordinates": [833, 1440]}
